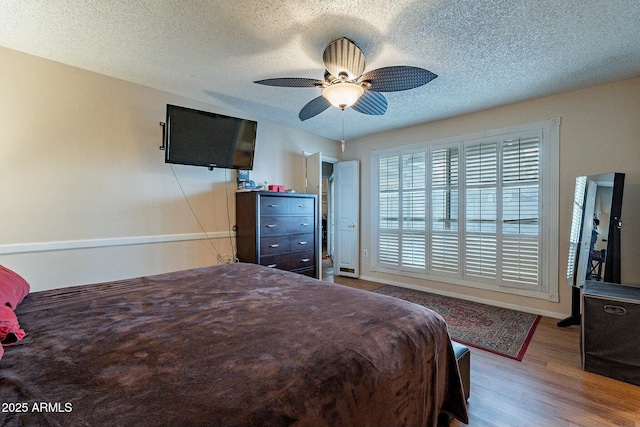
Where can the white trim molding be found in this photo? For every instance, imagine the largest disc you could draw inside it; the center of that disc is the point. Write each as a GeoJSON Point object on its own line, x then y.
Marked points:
{"type": "Point", "coordinates": [67, 245]}
{"type": "Point", "coordinates": [517, 307]}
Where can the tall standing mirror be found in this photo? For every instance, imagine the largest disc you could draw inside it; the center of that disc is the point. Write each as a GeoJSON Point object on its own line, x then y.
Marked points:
{"type": "Point", "coordinates": [594, 240]}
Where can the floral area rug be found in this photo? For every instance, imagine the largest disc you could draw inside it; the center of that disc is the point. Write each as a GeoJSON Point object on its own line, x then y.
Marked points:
{"type": "Point", "coordinates": [498, 330]}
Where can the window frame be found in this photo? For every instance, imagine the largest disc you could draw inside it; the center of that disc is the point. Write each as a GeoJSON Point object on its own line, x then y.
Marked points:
{"type": "Point", "coordinates": [549, 171]}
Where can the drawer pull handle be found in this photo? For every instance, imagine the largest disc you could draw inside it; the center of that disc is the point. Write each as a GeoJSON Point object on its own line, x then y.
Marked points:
{"type": "Point", "coordinates": [271, 265]}
{"type": "Point", "coordinates": [304, 224]}
{"type": "Point", "coordinates": [302, 206]}
{"type": "Point", "coordinates": [615, 309]}
{"type": "Point", "coordinates": [272, 225]}
{"type": "Point", "coordinates": [275, 245]}
{"type": "Point", "coordinates": [302, 243]}
{"type": "Point", "coordinates": [274, 206]}
{"type": "Point", "coordinates": [305, 260]}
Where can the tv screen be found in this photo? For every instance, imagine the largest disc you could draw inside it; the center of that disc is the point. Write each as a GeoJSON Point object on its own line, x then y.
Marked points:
{"type": "Point", "coordinates": [200, 138]}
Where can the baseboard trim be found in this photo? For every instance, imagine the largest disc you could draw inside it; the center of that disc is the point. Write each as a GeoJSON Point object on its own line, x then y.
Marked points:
{"type": "Point", "coordinates": [67, 245]}
{"type": "Point", "coordinates": [545, 313]}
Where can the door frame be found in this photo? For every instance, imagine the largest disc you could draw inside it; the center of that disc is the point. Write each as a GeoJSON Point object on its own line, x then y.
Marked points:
{"type": "Point", "coordinates": [318, 192]}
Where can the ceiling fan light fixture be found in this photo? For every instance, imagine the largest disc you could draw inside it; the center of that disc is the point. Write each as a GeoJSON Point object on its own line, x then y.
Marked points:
{"type": "Point", "coordinates": [343, 94]}
{"type": "Point", "coordinates": [345, 85]}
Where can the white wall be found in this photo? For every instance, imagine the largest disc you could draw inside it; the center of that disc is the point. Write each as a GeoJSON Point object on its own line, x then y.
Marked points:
{"type": "Point", "coordinates": [600, 133]}
{"type": "Point", "coordinates": [85, 194]}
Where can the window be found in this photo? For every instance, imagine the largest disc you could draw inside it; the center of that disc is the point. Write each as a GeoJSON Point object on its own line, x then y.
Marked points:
{"type": "Point", "coordinates": [479, 210]}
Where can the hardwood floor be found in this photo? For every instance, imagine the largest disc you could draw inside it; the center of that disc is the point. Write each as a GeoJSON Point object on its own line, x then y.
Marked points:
{"type": "Point", "coordinates": [547, 388]}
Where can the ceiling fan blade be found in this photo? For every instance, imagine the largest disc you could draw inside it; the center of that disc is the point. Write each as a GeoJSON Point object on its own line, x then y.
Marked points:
{"type": "Point", "coordinates": [400, 77]}
{"type": "Point", "coordinates": [343, 56]}
{"type": "Point", "coordinates": [373, 103]}
{"type": "Point", "coordinates": [313, 108]}
{"type": "Point", "coordinates": [291, 82]}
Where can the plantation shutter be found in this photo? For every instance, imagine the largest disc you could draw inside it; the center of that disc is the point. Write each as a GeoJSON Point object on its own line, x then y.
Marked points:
{"type": "Point", "coordinates": [389, 211]}
{"type": "Point", "coordinates": [413, 194]}
{"type": "Point", "coordinates": [445, 252]}
{"type": "Point", "coordinates": [481, 172]}
{"type": "Point", "coordinates": [501, 240]}
{"type": "Point", "coordinates": [521, 212]}
{"type": "Point", "coordinates": [402, 211]}
{"type": "Point", "coordinates": [470, 211]}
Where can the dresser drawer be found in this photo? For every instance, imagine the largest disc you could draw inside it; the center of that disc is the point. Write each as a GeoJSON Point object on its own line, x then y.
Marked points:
{"type": "Point", "coordinates": [270, 226]}
{"type": "Point", "coordinates": [270, 205]}
{"type": "Point", "coordinates": [302, 260]}
{"type": "Point", "coordinates": [275, 245]}
{"type": "Point", "coordinates": [311, 272]}
{"type": "Point", "coordinates": [302, 242]}
{"type": "Point", "coordinates": [291, 261]}
{"type": "Point", "coordinates": [301, 206]}
{"type": "Point", "coordinates": [299, 224]}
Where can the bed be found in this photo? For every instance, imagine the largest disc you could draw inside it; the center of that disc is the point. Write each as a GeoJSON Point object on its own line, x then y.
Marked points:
{"type": "Point", "coordinates": [228, 345]}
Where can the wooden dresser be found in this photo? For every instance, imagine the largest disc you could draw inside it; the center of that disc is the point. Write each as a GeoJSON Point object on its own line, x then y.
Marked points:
{"type": "Point", "coordinates": [278, 230]}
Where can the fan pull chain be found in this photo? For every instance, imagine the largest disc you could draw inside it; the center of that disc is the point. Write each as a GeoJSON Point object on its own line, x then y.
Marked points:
{"type": "Point", "coordinates": [342, 141]}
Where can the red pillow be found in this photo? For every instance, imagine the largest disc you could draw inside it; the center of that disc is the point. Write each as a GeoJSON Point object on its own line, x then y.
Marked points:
{"type": "Point", "coordinates": [10, 332]}
{"type": "Point", "coordinates": [13, 288]}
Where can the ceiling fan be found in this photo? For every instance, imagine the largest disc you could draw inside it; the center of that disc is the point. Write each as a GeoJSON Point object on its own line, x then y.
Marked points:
{"type": "Point", "coordinates": [345, 85]}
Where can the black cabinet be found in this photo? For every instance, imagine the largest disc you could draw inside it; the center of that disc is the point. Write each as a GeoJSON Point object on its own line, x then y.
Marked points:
{"type": "Point", "coordinates": [279, 230]}
{"type": "Point", "coordinates": [611, 330]}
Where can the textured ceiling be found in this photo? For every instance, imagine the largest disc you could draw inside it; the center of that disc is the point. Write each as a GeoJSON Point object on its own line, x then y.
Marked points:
{"type": "Point", "coordinates": [486, 53]}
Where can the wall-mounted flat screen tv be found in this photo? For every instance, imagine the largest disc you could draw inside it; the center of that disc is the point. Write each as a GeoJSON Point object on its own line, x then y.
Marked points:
{"type": "Point", "coordinates": [200, 138]}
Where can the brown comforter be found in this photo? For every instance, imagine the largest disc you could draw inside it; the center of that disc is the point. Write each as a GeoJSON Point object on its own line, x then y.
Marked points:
{"type": "Point", "coordinates": [230, 345]}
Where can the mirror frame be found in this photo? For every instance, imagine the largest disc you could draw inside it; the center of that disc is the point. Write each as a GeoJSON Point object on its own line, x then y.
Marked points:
{"type": "Point", "coordinates": [581, 236]}
{"type": "Point", "coordinates": [582, 226]}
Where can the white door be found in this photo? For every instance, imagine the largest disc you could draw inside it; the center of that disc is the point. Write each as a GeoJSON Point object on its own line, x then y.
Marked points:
{"type": "Point", "coordinates": [347, 218]}
{"type": "Point", "coordinates": [313, 185]}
